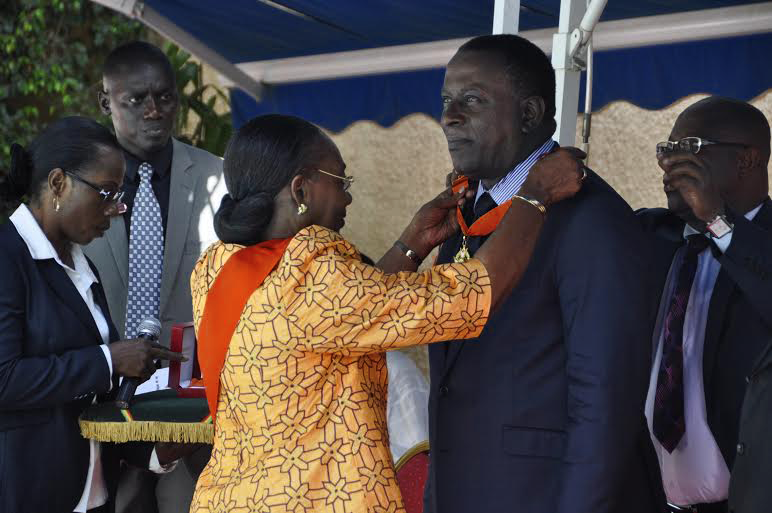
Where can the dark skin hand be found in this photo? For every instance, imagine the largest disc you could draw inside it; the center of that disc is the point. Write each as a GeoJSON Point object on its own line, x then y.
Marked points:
{"type": "Point", "coordinates": [136, 358]}
{"type": "Point", "coordinates": [432, 225]}
{"type": "Point", "coordinates": [684, 174]}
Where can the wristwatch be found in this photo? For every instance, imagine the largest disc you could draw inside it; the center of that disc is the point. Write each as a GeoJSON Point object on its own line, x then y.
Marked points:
{"type": "Point", "coordinates": [719, 226]}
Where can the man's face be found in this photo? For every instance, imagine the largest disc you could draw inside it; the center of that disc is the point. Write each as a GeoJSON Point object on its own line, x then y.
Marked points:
{"type": "Point", "coordinates": [481, 116]}
{"type": "Point", "coordinates": [142, 102]}
{"type": "Point", "coordinates": [716, 163]}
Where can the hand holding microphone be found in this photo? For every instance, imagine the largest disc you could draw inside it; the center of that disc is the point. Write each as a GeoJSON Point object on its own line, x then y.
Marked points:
{"type": "Point", "coordinates": [134, 359]}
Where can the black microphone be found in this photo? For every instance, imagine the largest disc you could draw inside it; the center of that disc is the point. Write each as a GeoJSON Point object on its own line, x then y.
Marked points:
{"type": "Point", "coordinates": [149, 329]}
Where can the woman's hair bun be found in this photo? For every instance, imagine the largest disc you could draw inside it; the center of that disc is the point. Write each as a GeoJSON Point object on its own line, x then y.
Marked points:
{"type": "Point", "coordinates": [18, 179]}
{"type": "Point", "coordinates": [243, 221]}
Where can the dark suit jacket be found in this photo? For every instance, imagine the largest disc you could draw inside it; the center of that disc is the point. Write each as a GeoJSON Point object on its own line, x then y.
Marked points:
{"type": "Point", "coordinates": [51, 366]}
{"type": "Point", "coordinates": [739, 322]}
{"type": "Point", "coordinates": [749, 490]}
{"type": "Point", "coordinates": [544, 412]}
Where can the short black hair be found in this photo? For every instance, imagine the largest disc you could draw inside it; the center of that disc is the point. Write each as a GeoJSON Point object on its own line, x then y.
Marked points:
{"type": "Point", "coordinates": [70, 143]}
{"type": "Point", "coordinates": [132, 55]}
{"type": "Point", "coordinates": [262, 157]}
{"type": "Point", "coordinates": [527, 66]}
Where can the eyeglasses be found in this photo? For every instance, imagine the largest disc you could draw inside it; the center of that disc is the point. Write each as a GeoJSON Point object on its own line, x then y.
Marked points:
{"type": "Point", "coordinates": [690, 144]}
{"type": "Point", "coordinates": [347, 180]}
{"type": "Point", "coordinates": [107, 196]}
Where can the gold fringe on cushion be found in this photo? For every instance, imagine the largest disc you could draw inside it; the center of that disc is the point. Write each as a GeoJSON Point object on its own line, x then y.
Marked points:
{"type": "Point", "coordinates": [148, 431]}
{"type": "Point", "coordinates": [419, 447]}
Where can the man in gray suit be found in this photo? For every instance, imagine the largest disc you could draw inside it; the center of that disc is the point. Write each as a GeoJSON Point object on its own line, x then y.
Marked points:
{"type": "Point", "coordinates": [146, 257]}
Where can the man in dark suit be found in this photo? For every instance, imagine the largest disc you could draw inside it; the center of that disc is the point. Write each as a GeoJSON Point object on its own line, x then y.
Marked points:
{"type": "Point", "coordinates": [544, 412]}
{"type": "Point", "coordinates": [146, 257]}
{"type": "Point", "coordinates": [712, 252]}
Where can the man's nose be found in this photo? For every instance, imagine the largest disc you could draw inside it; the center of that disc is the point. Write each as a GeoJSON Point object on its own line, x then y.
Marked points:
{"type": "Point", "coordinates": [151, 109]}
{"type": "Point", "coordinates": [451, 114]}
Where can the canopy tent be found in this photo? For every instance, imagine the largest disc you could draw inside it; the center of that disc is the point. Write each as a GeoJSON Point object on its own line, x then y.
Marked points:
{"type": "Point", "coordinates": [341, 61]}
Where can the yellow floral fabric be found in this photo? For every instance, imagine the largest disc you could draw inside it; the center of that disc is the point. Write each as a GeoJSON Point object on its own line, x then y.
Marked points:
{"type": "Point", "coordinates": [301, 415]}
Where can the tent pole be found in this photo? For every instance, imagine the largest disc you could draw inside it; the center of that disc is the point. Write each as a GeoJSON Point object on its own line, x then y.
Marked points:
{"type": "Point", "coordinates": [506, 17]}
{"type": "Point", "coordinates": [566, 74]}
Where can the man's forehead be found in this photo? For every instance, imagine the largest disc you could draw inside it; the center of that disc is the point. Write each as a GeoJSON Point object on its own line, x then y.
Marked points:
{"type": "Point", "coordinates": [480, 68]}
{"type": "Point", "coordinates": [139, 77]}
{"type": "Point", "coordinates": [701, 123]}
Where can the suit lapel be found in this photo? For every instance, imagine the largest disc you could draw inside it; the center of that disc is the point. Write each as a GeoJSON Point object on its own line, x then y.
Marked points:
{"type": "Point", "coordinates": [61, 284]}
{"type": "Point", "coordinates": [119, 246]}
{"type": "Point", "coordinates": [719, 301]}
{"type": "Point", "coordinates": [101, 301]}
{"type": "Point", "coordinates": [181, 199]}
{"type": "Point", "coordinates": [453, 348]}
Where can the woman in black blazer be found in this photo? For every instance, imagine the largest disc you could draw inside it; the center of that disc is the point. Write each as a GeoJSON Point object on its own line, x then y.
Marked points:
{"type": "Point", "coordinates": [58, 346]}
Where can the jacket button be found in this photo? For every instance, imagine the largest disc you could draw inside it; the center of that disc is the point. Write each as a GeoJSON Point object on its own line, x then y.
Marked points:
{"type": "Point", "coordinates": [444, 390]}
{"type": "Point", "coordinates": [741, 448]}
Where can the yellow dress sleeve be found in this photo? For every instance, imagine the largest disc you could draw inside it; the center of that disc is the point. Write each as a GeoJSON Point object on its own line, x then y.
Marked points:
{"type": "Point", "coordinates": [331, 301]}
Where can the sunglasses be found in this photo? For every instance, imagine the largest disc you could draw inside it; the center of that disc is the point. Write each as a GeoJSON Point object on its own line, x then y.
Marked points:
{"type": "Point", "coordinates": [692, 145]}
{"type": "Point", "coordinates": [107, 196]}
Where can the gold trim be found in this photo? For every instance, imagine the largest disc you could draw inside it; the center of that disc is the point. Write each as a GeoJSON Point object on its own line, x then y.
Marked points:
{"type": "Point", "coordinates": [148, 431]}
{"type": "Point", "coordinates": [419, 447]}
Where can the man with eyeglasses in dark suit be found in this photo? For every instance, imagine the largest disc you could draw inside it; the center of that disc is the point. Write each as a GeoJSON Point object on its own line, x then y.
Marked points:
{"type": "Point", "coordinates": [713, 251]}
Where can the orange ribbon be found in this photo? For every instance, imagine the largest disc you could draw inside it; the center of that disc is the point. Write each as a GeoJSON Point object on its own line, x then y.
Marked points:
{"type": "Point", "coordinates": [225, 301]}
{"type": "Point", "coordinates": [485, 224]}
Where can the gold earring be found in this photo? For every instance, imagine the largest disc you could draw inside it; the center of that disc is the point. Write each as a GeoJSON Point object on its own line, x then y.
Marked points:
{"type": "Point", "coordinates": [302, 209]}
{"type": "Point", "coordinates": [56, 204]}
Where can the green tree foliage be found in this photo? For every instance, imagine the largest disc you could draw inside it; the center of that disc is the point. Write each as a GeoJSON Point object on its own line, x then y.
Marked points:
{"type": "Point", "coordinates": [51, 54]}
{"type": "Point", "coordinates": [50, 65]}
{"type": "Point", "coordinates": [198, 123]}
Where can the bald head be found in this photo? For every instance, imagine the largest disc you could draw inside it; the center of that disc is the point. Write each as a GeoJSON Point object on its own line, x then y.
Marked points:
{"type": "Point", "coordinates": [730, 120]}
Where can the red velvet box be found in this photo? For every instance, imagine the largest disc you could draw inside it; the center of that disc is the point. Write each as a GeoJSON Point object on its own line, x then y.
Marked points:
{"type": "Point", "coordinates": [185, 377]}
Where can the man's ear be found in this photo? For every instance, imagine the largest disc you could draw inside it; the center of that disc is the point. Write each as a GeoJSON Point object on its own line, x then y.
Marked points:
{"type": "Point", "coordinates": [532, 110]}
{"type": "Point", "coordinates": [104, 102]}
{"type": "Point", "coordinates": [748, 161]}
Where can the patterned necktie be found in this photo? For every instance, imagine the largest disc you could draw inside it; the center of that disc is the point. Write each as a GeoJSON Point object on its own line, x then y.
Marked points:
{"type": "Point", "coordinates": [146, 254]}
{"type": "Point", "coordinates": [669, 422]}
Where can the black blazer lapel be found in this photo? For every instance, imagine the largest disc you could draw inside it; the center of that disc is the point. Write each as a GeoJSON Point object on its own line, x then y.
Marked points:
{"type": "Point", "coordinates": [61, 284]}
{"type": "Point", "coordinates": [719, 301]}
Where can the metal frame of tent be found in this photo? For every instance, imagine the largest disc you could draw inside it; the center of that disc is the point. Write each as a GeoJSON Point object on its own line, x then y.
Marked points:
{"type": "Point", "coordinates": [571, 47]}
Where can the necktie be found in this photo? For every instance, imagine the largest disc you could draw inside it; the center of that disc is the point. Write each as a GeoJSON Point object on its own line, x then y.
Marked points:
{"type": "Point", "coordinates": [146, 250]}
{"type": "Point", "coordinates": [669, 422]}
{"type": "Point", "coordinates": [485, 203]}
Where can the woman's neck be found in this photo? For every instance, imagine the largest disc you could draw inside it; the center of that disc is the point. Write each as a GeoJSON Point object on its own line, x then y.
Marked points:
{"type": "Point", "coordinates": [62, 246]}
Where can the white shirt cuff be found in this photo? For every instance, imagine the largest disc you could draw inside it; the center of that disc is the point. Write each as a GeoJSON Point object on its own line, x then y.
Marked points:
{"type": "Point", "coordinates": [723, 242]}
{"type": "Point", "coordinates": [156, 467]}
{"type": "Point", "coordinates": [109, 359]}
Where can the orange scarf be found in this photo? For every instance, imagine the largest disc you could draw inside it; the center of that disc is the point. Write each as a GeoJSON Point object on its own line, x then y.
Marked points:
{"type": "Point", "coordinates": [480, 228]}
{"type": "Point", "coordinates": [237, 280]}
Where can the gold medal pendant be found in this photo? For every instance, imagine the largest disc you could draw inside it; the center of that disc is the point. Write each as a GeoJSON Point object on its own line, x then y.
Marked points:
{"type": "Point", "coordinates": [463, 253]}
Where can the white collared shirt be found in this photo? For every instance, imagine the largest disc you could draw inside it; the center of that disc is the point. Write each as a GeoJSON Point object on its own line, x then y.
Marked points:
{"type": "Point", "coordinates": [40, 248]}
{"type": "Point", "coordinates": [695, 472]}
{"type": "Point", "coordinates": [504, 189]}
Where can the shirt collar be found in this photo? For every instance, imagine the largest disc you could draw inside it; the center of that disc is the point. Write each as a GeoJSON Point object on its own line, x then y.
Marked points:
{"type": "Point", "coordinates": [161, 162]}
{"type": "Point", "coordinates": [688, 230]}
{"type": "Point", "coordinates": [508, 186]}
{"type": "Point", "coordinates": [40, 248]}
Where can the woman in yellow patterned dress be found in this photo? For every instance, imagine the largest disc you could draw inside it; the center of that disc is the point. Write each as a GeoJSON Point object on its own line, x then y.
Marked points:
{"type": "Point", "coordinates": [301, 411]}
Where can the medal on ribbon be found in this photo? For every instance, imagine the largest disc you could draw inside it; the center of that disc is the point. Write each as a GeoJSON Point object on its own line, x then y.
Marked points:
{"type": "Point", "coordinates": [481, 227]}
